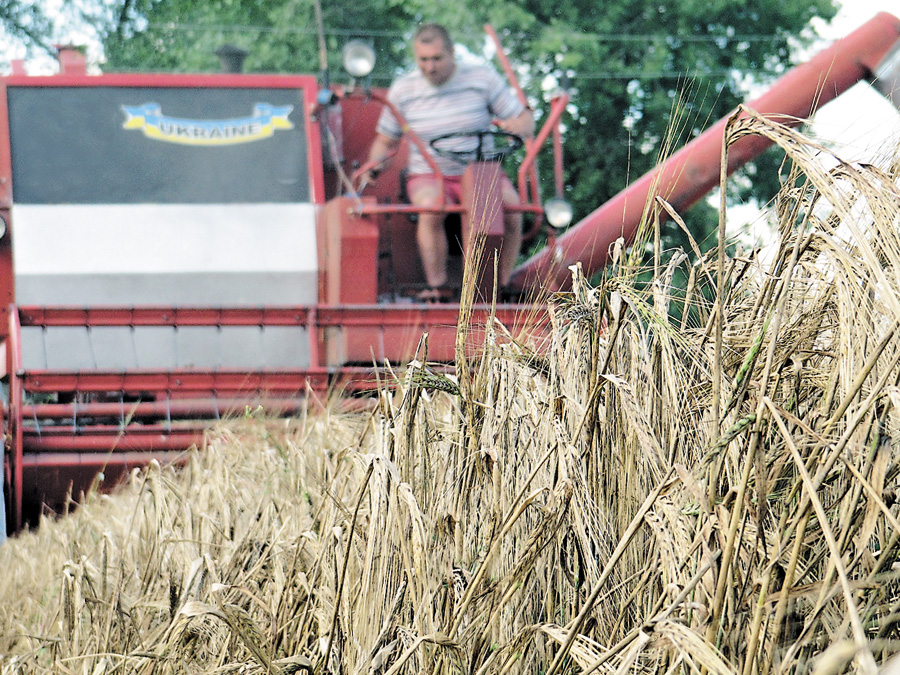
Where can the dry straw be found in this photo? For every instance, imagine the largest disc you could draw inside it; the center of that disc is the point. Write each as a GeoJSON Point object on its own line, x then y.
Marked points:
{"type": "Point", "coordinates": [714, 493]}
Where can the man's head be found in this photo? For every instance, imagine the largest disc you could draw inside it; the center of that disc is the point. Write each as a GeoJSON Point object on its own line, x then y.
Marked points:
{"type": "Point", "coordinates": [433, 50]}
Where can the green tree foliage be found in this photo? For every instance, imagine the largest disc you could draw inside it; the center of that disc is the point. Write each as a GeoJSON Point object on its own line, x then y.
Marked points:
{"type": "Point", "coordinates": [279, 35]}
{"type": "Point", "coordinates": [644, 76]}
{"type": "Point", "coordinates": [25, 22]}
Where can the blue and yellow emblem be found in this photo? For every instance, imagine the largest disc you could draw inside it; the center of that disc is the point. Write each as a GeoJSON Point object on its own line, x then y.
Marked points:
{"type": "Point", "coordinates": [262, 124]}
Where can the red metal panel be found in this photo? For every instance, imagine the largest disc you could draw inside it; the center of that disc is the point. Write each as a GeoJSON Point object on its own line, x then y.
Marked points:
{"type": "Point", "coordinates": [179, 383]}
{"type": "Point", "coordinates": [359, 117]}
{"type": "Point", "coordinates": [5, 151]}
{"type": "Point", "coordinates": [14, 419]}
{"type": "Point", "coordinates": [391, 332]}
{"type": "Point", "coordinates": [190, 384]}
{"type": "Point", "coordinates": [103, 460]}
{"type": "Point", "coordinates": [71, 60]}
{"type": "Point", "coordinates": [694, 170]}
{"type": "Point", "coordinates": [351, 254]}
{"type": "Point", "coordinates": [480, 193]}
{"type": "Point", "coordinates": [205, 408]}
{"type": "Point", "coordinates": [164, 316]}
{"type": "Point", "coordinates": [111, 442]}
{"type": "Point", "coordinates": [381, 333]}
{"type": "Point", "coordinates": [398, 254]}
{"type": "Point", "coordinates": [394, 343]}
{"type": "Point", "coordinates": [7, 271]}
{"type": "Point", "coordinates": [7, 274]}
{"type": "Point", "coordinates": [314, 144]}
{"type": "Point", "coordinates": [149, 80]}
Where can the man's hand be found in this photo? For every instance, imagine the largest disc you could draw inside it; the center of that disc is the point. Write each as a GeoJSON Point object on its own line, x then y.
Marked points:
{"type": "Point", "coordinates": [383, 148]}
{"type": "Point", "coordinates": [521, 125]}
{"type": "Point", "coordinates": [365, 175]}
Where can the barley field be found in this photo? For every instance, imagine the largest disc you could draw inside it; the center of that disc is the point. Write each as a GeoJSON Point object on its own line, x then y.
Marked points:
{"type": "Point", "coordinates": [707, 490]}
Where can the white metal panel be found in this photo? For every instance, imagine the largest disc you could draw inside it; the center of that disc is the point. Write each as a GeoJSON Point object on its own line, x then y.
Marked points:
{"type": "Point", "coordinates": [153, 254]}
{"type": "Point", "coordinates": [117, 348]}
{"type": "Point", "coordinates": [246, 255]}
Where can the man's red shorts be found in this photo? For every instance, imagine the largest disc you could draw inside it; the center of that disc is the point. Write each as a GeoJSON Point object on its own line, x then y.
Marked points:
{"type": "Point", "coordinates": [452, 185]}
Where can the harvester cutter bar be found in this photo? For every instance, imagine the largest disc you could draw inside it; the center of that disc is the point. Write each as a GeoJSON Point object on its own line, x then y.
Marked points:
{"type": "Point", "coordinates": [173, 408]}
{"type": "Point", "coordinates": [94, 418]}
{"type": "Point", "coordinates": [103, 458]}
{"type": "Point", "coordinates": [313, 317]}
{"type": "Point", "coordinates": [164, 316]}
{"type": "Point", "coordinates": [181, 382]}
{"type": "Point", "coordinates": [111, 441]}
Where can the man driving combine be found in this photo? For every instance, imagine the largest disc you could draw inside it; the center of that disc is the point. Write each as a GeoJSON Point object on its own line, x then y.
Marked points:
{"type": "Point", "coordinates": [443, 97]}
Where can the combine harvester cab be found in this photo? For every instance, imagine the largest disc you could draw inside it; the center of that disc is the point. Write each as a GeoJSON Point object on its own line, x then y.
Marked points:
{"type": "Point", "coordinates": [181, 248]}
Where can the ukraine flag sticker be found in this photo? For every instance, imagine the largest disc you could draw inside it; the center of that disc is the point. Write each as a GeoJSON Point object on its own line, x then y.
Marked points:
{"type": "Point", "coordinates": [262, 124]}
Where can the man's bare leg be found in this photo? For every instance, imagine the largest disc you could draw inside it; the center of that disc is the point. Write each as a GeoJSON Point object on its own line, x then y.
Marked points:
{"type": "Point", "coordinates": [512, 235]}
{"type": "Point", "coordinates": [432, 242]}
{"type": "Point", "coordinates": [432, 239]}
{"type": "Point", "coordinates": [430, 236]}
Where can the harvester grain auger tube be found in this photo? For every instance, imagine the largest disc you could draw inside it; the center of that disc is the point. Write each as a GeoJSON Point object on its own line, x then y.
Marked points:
{"type": "Point", "coordinates": [870, 52]}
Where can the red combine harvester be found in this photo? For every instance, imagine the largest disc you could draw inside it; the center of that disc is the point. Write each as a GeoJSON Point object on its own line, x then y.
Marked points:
{"type": "Point", "coordinates": [176, 248]}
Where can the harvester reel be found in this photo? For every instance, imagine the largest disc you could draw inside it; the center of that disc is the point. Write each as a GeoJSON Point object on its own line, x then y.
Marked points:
{"type": "Point", "coordinates": [489, 146]}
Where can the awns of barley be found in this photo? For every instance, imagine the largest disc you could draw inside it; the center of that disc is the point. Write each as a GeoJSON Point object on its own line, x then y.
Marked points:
{"type": "Point", "coordinates": [712, 492]}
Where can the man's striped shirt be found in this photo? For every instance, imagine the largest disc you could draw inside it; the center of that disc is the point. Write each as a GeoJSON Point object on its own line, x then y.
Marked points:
{"type": "Point", "coordinates": [467, 102]}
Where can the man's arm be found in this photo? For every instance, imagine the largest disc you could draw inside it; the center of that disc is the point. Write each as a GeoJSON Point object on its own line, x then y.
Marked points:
{"type": "Point", "coordinates": [381, 150]}
{"type": "Point", "coordinates": [521, 125]}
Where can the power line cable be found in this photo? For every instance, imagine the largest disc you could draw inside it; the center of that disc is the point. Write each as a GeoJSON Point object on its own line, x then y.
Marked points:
{"type": "Point", "coordinates": [370, 32]}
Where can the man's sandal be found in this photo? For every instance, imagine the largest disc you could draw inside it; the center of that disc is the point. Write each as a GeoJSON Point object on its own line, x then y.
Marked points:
{"type": "Point", "coordinates": [435, 295]}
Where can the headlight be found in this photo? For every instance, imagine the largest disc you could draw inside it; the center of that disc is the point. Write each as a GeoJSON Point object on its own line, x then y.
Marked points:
{"type": "Point", "coordinates": [3, 227]}
{"type": "Point", "coordinates": [359, 58]}
{"type": "Point", "coordinates": [558, 212]}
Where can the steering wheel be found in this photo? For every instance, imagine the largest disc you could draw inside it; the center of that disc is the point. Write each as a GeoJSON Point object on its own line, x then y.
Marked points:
{"type": "Point", "coordinates": [491, 145]}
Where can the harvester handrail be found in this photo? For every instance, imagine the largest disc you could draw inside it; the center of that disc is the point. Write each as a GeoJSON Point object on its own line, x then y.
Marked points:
{"type": "Point", "coordinates": [557, 107]}
{"type": "Point", "coordinates": [523, 99]}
